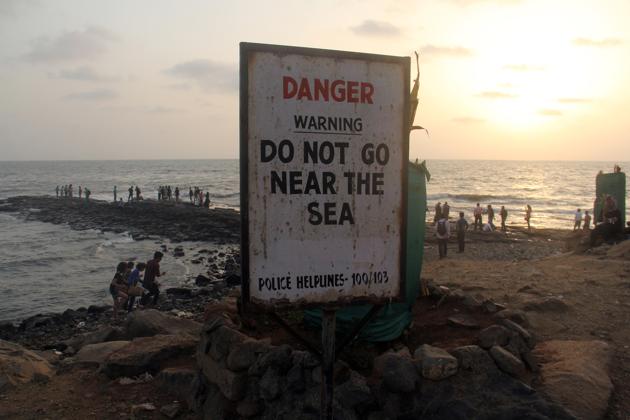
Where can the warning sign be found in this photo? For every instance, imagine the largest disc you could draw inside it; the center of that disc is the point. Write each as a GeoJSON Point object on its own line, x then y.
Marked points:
{"type": "Point", "coordinates": [324, 152]}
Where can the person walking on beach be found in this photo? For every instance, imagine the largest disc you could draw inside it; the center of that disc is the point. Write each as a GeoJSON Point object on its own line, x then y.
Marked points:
{"type": "Point", "coordinates": [503, 214]}
{"type": "Point", "coordinates": [461, 227]}
{"type": "Point", "coordinates": [438, 213]}
{"type": "Point", "coordinates": [528, 216]}
{"type": "Point", "coordinates": [442, 232]}
{"type": "Point", "coordinates": [177, 194]}
{"type": "Point", "coordinates": [130, 196]}
{"type": "Point", "coordinates": [587, 221]}
{"type": "Point", "coordinates": [57, 191]}
{"type": "Point", "coordinates": [206, 203]}
{"type": "Point", "coordinates": [70, 190]}
{"type": "Point", "coordinates": [578, 220]}
{"type": "Point", "coordinates": [491, 217]}
{"type": "Point", "coordinates": [477, 213]}
{"type": "Point", "coordinates": [118, 288]}
{"type": "Point", "coordinates": [150, 279]}
{"type": "Point", "coordinates": [190, 194]}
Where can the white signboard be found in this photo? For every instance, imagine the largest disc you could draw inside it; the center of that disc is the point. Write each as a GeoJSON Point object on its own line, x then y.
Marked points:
{"type": "Point", "coordinates": [324, 152]}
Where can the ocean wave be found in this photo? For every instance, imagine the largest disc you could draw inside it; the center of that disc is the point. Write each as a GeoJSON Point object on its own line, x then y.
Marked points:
{"type": "Point", "coordinates": [476, 197]}
{"type": "Point", "coordinates": [225, 195]}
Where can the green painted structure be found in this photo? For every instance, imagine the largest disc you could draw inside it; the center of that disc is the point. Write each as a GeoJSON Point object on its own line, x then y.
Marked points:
{"type": "Point", "coordinates": [613, 184]}
{"type": "Point", "coordinates": [393, 318]}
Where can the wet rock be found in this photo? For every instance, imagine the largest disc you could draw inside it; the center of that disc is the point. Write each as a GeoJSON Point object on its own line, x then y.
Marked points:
{"type": "Point", "coordinates": [463, 321]}
{"type": "Point", "coordinates": [146, 353]}
{"type": "Point", "coordinates": [279, 357]}
{"type": "Point", "coordinates": [233, 280]}
{"type": "Point", "coordinates": [104, 333]}
{"type": "Point", "coordinates": [95, 354]}
{"type": "Point", "coordinates": [575, 374]}
{"type": "Point", "coordinates": [435, 363]}
{"type": "Point", "coordinates": [507, 362]}
{"type": "Point", "coordinates": [494, 335]}
{"type": "Point", "coordinates": [202, 280]}
{"type": "Point", "coordinates": [19, 366]}
{"type": "Point", "coordinates": [151, 322]}
{"type": "Point", "coordinates": [7, 329]}
{"type": "Point", "coordinates": [37, 321]}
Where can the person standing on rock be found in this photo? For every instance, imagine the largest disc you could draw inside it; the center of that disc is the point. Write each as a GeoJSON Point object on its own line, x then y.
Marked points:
{"type": "Point", "coordinates": [57, 191]}
{"type": "Point", "coordinates": [132, 281]}
{"type": "Point", "coordinates": [177, 194]}
{"type": "Point", "coordinates": [70, 190]}
{"type": "Point", "coordinates": [587, 221]}
{"type": "Point", "coordinates": [80, 192]}
{"type": "Point", "coordinates": [190, 194]}
{"type": "Point", "coordinates": [446, 210]}
{"type": "Point", "coordinates": [130, 196]}
{"type": "Point", "coordinates": [438, 213]}
{"type": "Point", "coordinates": [528, 216]}
{"type": "Point", "coordinates": [115, 194]}
{"type": "Point", "coordinates": [118, 288]}
{"type": "Point", "coordinates": [491, 217]}
{"type": "Point", "coordinates": [442, 232]}
{"type": "Point", "coordinates": [478, 213]}
{"type": "Point", "coordinates": [504, 214]}
{"type": "Point", "coordinates": [150, 279]}
{"type": "Point", "coordinates": [461, 228]}
{"type": "Point", "coordinates": [577, 219]}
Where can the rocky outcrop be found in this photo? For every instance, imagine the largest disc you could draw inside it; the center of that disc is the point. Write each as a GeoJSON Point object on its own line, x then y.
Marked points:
{"type": "Point", "coordinates": [96, 354]}
{"type": "Point", "coordinates": [150, 322]}
{"type": "Point", "coordinates": [145, 354]}
{"type": "Point", "coordinates": [575, 374]}
{"type": "Point", "coordinates": [19, 365]}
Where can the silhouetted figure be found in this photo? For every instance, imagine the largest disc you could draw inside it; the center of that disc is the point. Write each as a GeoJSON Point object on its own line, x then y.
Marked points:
{"type": "Point", "coordinates": [150, 279]}
{"type": "Point", "coordinates": [138, 193]}
{"type": "Point", "coordinates": [528, 216]}
{"type": "Point", "coordinates": [577, 220]}
{"type": "Point", "coordinates": [206, 203]}
{"type": "Point", "coordinates": [446, 210]}
{"type": "Point", "coordinates": [57, 191]}
{"type": "Point", "coordinates": [115, 194]}
{"type": "Point", "coordinates": [504, 214]}
{"type": "Point", "coordinates": [478, 212]}
{"type": "Point", "coordinates": [190, 195]}
{"type": "Point", "coordinates": [587, 221]}
{"type": "Point", "coordinates": [177, 194]}
{"type": "Point", "coordinates": [461, 227]}
{"type": "Point", "coordinates": [438, 213]}
{"type": "Point", "coordinates": [442, 232]}
{"type": "Point", "coordinates": [130, 196]}
{"type": "Point", "coordinates": [491, 217]}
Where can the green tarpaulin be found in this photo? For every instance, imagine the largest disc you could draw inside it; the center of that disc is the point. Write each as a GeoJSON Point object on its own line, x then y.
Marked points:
{"type": "Point", "coordinates": [613, 184]}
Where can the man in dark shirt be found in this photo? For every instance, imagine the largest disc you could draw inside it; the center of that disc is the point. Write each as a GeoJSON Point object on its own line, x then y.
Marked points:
{"type": "Point", "coordinates": [461, 227]}
{"type": "Point", "coordinates": [151, 272]}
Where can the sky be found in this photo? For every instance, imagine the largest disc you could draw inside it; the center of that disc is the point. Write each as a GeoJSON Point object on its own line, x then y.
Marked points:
{"type": "Point", "coordinates": [158, 79]}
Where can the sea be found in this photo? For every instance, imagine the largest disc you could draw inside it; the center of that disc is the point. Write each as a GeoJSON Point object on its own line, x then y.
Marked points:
{"type": "Point", "coordinates": [48, 268]}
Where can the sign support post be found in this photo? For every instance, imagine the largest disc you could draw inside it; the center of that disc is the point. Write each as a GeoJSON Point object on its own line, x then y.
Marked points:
{"type": "Point", "coordinates": [328, 363]}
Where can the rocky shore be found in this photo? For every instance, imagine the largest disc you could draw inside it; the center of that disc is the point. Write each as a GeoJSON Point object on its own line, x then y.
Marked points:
{"type": "Point", "coordinates": [518, 326]}
{"type": "Point", "coordinates": [141, 219]}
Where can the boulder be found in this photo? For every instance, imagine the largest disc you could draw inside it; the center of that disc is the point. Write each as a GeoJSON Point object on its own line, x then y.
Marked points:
{"type": "Point", "coordinates": [37, 321]}
{"type": "Point", "coordinates": [243, 355]}
{"type": "Point", "coordinates": [435, 363]}
{"type": "Point", "coordinates": [475, 359]}
{"type": "Point", "coordinates": [526, 335]}
{"type": "Point", "coordinates": [146, 353]}
{"type": "Point", "coordinates": [180, 292]}
{"type": "Point", "coordinates": [516, 315]}
{"type": "Point", "coordinates": [494, 335]}
{"type": "Point", "coordinates": [103, 334]}
{"type": "Point", "coordinates": [152, 322]}
{"type": "Point", "coordinates": [507, 362]}
{"type": "Point", "coordinates": [19, 365]}
{"type": "Point", "coordinates": [232, 385]}
{"type": "Point", "coordinates": [398, 372]}
{"type": "Point", "coordinates": [95, 354]}
{"type": "Point", "coordinates": [353, 392]}
{"type": "Point", "coordinates": [202, 280]}
{"type": "Point", "coordinates": [171, 410]}
{"type": "Point", "coordinates": [575, 375]}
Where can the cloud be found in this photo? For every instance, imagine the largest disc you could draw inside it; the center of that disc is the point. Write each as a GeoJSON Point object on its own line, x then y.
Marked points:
{"type": "Point", "coordinates": [444, 51]}
{"type": "Point", "coordinates": [466, 3]}
{"type": "Point", "coordinates": [210, 75]}
{"type": "Point", "coordinates": [550, 112]}
{"type": "Point", "coordinates": [598, 43]}
{"type": "Point", "coordinates": [82, 74]}
{"type": "Point", "coordinates": [493, 94]}
{"type": "Point", "coordinates": [468, 120]}
{"type": "Point", "coordinates": [93, 95]}
{"type": "Point", "coordinates": [574, 100]}
{"type": "Point", "coordinates": [87, 44]}
{"type": "Point", "coordinates": [376, 28]}
{"type": "Point", "coordinates": [163, 110]}
{"type": "Point", "coordinates": [522, 67]}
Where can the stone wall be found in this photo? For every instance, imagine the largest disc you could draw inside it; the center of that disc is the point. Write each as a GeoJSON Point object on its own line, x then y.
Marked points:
{"type": "Point", "coordinates": [247, 378]}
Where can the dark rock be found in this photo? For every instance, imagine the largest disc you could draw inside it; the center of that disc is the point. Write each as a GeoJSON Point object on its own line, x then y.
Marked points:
{"type": "Point", "coordinates": [434, 363]}
{"type": "Point", "coordinates": [507, 362]}
{"type": "Point", "coordinates": [104, 333]}
{"type": "Point", "coordinates": [475, 359]}
{"type": "Point", "coordinates": [399, 373]}
{"type": "Point", "coordinates": [515, 315]}
{"type": "Point", "coordinates": [181, 382]}
{"type": "Point", "coordinates": [463, 321]}
{"type": "Point", "coordinates": [245, 354]}
{"type": "Point", "coordinates": [221, 341]}
{"type": "Point", "coordinates": [270, 384]}
{"type": "Point", "coordinates": [94, 355]}
{"type": "Point", "coordinates": [295, 378]}
{"type": "Point", "coordinates": [146, 354]}
{"type": "Point", "coordinates": [171, 410]}
{"type": "Point", "coordinates": [37, 321]}
{"type": "Point", "coordinates": [202, 280]}
{"type": "Point", "coordinates": [70, 314]}
{"type": "Point", "coordinates": [232, 385]}
{"type": "Point", "coordinates": [98, 309]}
{"type": "Point", "coordinates": [526, 335]}
{"type": "Point", "coordinates": [233, 280]}
{"type": "Point", "coordinates": [7, 329]}
{"type": "Point", "coordinates": [150, 322]}
{"type": "Point", "coordinates": [494, 335]}
{"type": "Point", "coordinates": [353, 392]}
{"type": "Point", "coordinates": [248, 408]}
{"type": "Point", "coordinates": [179, 292]}
{"type": "Point", "coordinates": [279, 357]}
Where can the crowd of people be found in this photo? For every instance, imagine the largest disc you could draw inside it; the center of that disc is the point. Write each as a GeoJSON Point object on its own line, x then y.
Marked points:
{"type": "Point", "coordinates": [132, 281]}
{"type": "Point", "coordinates": [67, 191]}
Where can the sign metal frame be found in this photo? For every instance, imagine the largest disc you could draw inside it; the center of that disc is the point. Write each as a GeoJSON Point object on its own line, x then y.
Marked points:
{"type": "Point", "coordinates": [246, 49]}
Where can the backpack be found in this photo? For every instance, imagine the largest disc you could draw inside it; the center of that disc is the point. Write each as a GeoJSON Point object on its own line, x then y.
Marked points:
{"type": "Point", "coordinates": [441, 227]}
